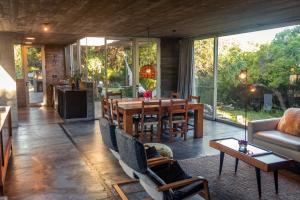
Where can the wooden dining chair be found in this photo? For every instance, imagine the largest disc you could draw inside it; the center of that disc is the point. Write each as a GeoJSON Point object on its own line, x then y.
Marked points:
{"type": "Point", "coordinates": [193, 99]}
{"type": "Point", "coordinates": [114, 95]}
{"type": "Point", "coordinates": [175, 95]}
{"type": "Point", "coordinates": [117, 116]}
{"type": "Point", "coordinates": [177, 119]}
{"type": "Point", "coordinates": [150, 116]}
{"type": "Point", "coordinates": [140, 94]}
{"type": "Point", "coordinates": [106, 111]}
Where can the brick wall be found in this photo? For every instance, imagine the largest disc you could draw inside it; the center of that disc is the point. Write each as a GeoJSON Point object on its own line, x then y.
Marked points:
{"type": "Point", "coordinates": [55, 68]}
{"type": "Point", "coordinates": [169, 65]}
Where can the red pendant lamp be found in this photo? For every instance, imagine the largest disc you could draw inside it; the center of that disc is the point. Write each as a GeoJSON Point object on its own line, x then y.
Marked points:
{"type": "Point", "coordinates": [148, 71]}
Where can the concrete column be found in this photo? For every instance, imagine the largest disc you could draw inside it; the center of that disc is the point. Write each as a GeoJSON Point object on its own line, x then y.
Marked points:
{"type": "Point", "coordinates": [8, 94]}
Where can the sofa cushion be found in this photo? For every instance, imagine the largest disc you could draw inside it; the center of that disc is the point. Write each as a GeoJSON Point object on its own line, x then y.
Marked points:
{"type": "Point", "coordinates": [279, 138]}
{"type": "Point", "coordinates": [290, 122]}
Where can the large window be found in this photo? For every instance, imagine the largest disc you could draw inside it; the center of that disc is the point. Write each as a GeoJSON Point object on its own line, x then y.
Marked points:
{"type": "Point", "coordinates": [271, 58]}
{"type": "Point", "coordinates": [119, 66]}
{"type": "Point", "coordinates": [92, 51]}
{"type": "Point", "coordinates": [204, 73]}
{"type": "Point", "coordinates": [113, 64]}
{"type": "Point", "coordinates": [148, 56]}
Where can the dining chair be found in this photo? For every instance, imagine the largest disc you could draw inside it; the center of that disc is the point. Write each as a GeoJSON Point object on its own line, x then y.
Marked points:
{"type": "Point", "coordinates": [114, 95]}
{"type": "Point", "coordinates": [175, 95]}
{"type": "Point", "coordinates": [106, 111]}
{"type": "Point", "coordinates": [191, 114]}
{"type": "Point", "coordinates": [150, 116]}
{"type": "Point", "coordinates": [140, 94]}
{"type": "Point", "coordinates": [117, 116]}
{"type": "Point", "coordinates": [177, 120]}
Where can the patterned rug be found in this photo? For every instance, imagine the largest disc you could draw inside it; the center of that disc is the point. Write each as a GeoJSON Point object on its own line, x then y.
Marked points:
{"type": "Point", "coordinates": [242, 185]}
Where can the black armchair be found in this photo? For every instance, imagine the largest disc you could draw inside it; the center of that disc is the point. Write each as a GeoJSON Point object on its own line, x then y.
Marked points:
{"type": "Point", "coordinates": [163, 180]}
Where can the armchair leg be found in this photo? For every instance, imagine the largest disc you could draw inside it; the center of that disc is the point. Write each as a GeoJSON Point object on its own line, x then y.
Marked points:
{"type": "Point", "coordinates": [205, 193]}
{"type": "Point", "coordinates": [118, 189]}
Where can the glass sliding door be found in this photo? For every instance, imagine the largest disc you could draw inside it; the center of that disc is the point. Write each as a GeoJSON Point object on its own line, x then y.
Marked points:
{"type": "Point", "coordinates": [148, 66]}
{"type": "Point", "coordinates": [92, 50]}
{"type": "Point", "coordinates": [119, 70]}
{"type": "Point", "coordinates": [271, 58]}
{"type": "Point", "coordinates": [204, 73]}
{"type": "Point", "coordinates": [118, 64]}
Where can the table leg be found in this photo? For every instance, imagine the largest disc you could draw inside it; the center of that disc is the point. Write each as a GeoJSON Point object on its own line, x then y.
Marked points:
{"type": "Point", "coordinates": [257, 170]}
{"type": "Point", "coordinates": [221, 162]}
{"type": "Point", "coordinates": [236, 164]}
{"type": "Point", "coordinates": [128, 123]}
{"type": "Point", "coordinates": [276, 180]}
{"type": "Point", "coordinates": [198, 123]}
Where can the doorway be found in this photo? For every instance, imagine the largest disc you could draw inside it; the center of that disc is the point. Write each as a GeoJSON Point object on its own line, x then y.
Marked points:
{"type": "Point", "coordinates": [30, 71]}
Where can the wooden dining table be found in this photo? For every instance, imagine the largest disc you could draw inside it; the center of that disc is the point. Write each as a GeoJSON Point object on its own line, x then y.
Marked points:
{"type": "Point", "coordinates": [129, 107]}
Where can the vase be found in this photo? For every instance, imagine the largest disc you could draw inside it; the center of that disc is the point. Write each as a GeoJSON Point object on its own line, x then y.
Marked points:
{"type": "Point", "coordinates": [243, 148]}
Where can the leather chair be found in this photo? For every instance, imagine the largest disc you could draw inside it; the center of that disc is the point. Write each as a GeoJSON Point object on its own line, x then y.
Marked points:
{"type": "Point", "coordinates": [108, 134]}
{"type": "Point", "coordinates": [162, 180]}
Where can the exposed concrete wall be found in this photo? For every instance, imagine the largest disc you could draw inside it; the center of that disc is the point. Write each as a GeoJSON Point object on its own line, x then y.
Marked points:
{"type": "Point", "coordinates": [8, 94]}
{"type": "Point", "coordinates": [21, 93]}
{"type": "Point", "coordinates": [169, 65]}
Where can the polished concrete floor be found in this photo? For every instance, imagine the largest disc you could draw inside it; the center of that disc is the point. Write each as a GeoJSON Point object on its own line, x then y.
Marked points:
{"type": "Point", "coordinates": [52, 160]}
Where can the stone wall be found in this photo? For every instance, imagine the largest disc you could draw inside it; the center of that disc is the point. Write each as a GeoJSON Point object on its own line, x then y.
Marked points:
{"type": "Point", "coordinates": [55, 68]}
{"type": "Point", "coordinates": [169, 65]}
{"type": "Point", "coordinates": [8, 94]}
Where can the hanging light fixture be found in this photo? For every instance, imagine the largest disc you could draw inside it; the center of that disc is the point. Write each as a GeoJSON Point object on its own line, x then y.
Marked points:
{"type": "Point", "coordinates": [148, 70]}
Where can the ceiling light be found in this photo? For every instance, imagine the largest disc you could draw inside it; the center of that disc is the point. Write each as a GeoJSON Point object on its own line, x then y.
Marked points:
{"type": "Point", "coordinates": [30, 38]}
{"type": "Point", "coordinates": [28, 42]}
{"type": "Point", "coordinates": [46, 27]}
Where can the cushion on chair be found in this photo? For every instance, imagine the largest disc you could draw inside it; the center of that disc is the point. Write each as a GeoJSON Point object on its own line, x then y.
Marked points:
{"type": "Point", "coordinates": [108, 134]}
{"type": "Point", "coordinates": [290, 122]}
{"type": "Point", "coordinates": [279, 138]}
{"type": "Point", "coordinates": [151, 152]}
{"type": "Point", "coordinates": [162, 149]}
{"type": "Point", "coordinates": [165, 174]}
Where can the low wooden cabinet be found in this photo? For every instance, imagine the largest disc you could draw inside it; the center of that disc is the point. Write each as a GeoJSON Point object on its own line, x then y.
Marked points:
{"type": "Point", "coordinates": [6, 142]}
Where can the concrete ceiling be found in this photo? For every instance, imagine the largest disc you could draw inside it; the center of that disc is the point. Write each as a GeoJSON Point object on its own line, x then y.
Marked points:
{"type": "Point", "coordinates": [72, 19]}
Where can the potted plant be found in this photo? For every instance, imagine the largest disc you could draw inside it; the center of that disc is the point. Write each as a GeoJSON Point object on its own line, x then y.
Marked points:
{"type": "Point", "coordinates": [76, 78]}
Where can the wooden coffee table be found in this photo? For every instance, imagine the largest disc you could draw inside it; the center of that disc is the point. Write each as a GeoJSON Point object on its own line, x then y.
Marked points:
{"type": "Point", "coordinates": [255, 156]}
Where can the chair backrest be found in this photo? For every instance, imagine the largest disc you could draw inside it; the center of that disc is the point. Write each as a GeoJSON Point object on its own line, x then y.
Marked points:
{"type": "Point", "coordinates": [106, 111]}
{"type": "Point", "coordinates": [132, 152]}
{"type": "Point", "coordinates": [116, 104]}
{"type": "Point", "coordinates": [175, 95]}
{"type": "Point", "coordinates": [195, 99]}
{"type": "Point", "coordinates": [140, 94]}
{"type": "Point", "coordinates": [178, 107]}
{"type": "Point", "coordinates": [107, 131]}
{"type": "Point", "coordinates": [151, 108]}
{"type": "Point", "coordinates": [114, 95]}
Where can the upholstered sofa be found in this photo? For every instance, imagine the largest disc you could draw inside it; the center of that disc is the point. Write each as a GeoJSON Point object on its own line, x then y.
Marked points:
{"type": "Point", "coordinates": [265, 133]}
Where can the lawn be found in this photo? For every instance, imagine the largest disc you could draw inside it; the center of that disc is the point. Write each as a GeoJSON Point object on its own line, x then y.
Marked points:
{"type": "Point", "coordinates": [237, 115]}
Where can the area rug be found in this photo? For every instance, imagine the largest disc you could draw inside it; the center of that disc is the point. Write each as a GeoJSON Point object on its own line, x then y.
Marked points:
{"type": "Point", "coordinates": [242, 185]}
